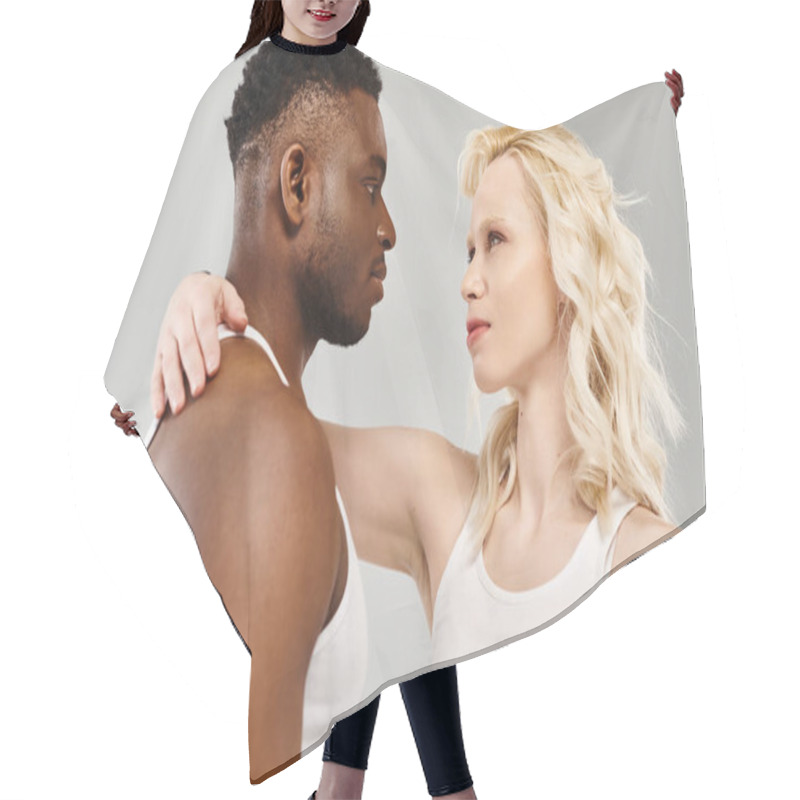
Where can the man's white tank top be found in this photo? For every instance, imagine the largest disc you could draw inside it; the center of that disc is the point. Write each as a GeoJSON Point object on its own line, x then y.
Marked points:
{"type": "Point", "coordinates": [473, 614]}
{"type": "Point", "coordinates": [337, 670]}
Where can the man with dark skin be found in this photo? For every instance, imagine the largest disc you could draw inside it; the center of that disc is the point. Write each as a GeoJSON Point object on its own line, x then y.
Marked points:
{"type": "Point", "coordinates": [248, 463]}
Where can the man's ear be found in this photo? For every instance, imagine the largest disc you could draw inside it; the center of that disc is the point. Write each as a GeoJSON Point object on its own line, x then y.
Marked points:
{"type": "Point", "coordinates": [296, 180]}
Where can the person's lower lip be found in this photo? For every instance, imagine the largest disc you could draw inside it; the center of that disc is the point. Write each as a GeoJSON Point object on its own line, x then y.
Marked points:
{"type": "Point", "coordinates": [378, 283]}
{"type": "Point", "coordinates": [475, 334]}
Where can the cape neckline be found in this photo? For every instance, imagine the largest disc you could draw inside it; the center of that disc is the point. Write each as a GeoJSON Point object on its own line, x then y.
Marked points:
{"type": "Point", "coordinates": [308, 49]}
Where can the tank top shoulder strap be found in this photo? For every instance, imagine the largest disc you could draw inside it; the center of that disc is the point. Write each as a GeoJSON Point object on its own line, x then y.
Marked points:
{"type": "Point", "coordinates": [621, 506]}
{"type": "Point", "coordinates": [224, 332]}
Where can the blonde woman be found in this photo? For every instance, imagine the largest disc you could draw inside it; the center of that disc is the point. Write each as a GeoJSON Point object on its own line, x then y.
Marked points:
{"type": "Point", "coordinates": [569, 481]}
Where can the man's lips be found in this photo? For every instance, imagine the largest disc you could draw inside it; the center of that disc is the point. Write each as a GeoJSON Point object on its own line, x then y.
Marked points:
{"type": "Point", "coordinates": [379, 270]}
{"type": "Point", "coordinates": [378, 273]}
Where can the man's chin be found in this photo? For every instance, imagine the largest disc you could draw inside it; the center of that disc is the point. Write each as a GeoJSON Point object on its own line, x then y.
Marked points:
{"type": "Point", "coordinates": [350, 333]}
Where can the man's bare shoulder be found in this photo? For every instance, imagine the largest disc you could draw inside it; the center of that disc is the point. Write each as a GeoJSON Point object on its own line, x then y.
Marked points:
{"type": "Point", "coordinates": [247, 427]}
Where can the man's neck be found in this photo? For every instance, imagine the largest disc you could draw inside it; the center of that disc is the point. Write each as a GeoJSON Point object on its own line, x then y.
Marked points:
{"type": "Point", "coordinates": [272, 307]}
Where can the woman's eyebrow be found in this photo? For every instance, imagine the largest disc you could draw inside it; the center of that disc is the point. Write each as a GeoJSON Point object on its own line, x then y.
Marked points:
{"type": "Point", "coordinates": [488, 222]}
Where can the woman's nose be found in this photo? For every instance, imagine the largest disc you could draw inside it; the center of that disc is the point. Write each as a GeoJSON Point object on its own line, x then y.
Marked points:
{"type": "Point", "coordinates": [472, 286]}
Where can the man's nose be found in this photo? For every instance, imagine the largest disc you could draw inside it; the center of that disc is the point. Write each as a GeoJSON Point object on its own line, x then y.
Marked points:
{"type": "Point", "coordinates": [386, 232]}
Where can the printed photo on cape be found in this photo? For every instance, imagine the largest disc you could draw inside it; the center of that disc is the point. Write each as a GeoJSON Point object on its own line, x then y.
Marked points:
{"type": "Point", "coordinates": [417, 277]}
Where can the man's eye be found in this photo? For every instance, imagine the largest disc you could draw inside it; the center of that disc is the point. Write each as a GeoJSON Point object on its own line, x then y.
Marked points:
{"type": "Point", "coordinates": [372, 188]}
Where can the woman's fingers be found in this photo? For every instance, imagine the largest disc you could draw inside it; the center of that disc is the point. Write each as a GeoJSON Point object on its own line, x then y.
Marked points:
{"type": "Point", "coordinates": [190, 358]}
{"type": "Point", "coordinates": [233, 313]}
{"type": "Point", "coordinates": [158, 398]}
{"type": "Point", "coordinates": [188, 343]}
{"type": "Point", "coordinates": [124, 420]}
{"type": "Point", "coordinates": [172, 376]}
{"type": "Point", "coordinates": [206, 319]}
{"type": "Point", "coordinates": [119, 415]}
{"type": "Point", "coordinates": [674, 81]}
{"type": "Point", "coordinates": [129, 429]}
{"type": "Point", "coordinates": [227, 308]}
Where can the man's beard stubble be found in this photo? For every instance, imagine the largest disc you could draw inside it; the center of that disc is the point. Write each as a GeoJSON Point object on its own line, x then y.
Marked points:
{"type": "Point", "coordinates": [322, 281]}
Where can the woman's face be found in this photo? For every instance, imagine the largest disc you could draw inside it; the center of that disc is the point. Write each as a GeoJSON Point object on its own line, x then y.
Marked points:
{"type": "Point", "coordinates": [509, 287]}
{"type": "Point", "coordinates": [316, 21]}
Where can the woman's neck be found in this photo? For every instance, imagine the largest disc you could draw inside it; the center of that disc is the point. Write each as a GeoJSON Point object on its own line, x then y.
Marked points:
{"type": "Point", "coordinates": [544, 480]}
{"type": "Point", "coordinates": [294, 34]}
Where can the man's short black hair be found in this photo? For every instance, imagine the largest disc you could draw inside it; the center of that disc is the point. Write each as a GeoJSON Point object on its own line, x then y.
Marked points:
{"type": "Point", "coordinates": [278, 85]}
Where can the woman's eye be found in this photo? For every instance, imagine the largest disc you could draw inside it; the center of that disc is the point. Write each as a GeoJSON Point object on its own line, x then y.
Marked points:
{"type": "Point", "coordinates": [493, 239]}
{"type": "Point", "coordinates": [470, 255]}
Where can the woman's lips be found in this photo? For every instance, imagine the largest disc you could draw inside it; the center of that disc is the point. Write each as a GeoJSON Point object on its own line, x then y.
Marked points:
{"type": "Point", "coordinates": [475, 329]}
{"type": "Point", "coordinates": [322, 16]}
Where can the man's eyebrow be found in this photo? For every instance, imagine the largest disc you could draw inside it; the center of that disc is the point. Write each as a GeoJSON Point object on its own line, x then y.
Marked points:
{"type": "Point", "coordinates": [379, 163]}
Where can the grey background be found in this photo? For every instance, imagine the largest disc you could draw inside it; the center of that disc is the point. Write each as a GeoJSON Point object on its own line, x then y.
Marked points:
{"type": "Point", "coordinates": [413, 367]}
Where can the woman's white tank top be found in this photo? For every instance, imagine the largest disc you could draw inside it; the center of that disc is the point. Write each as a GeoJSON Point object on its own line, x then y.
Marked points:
{"type": "Point", "coordinates": [472, 614]}
{"type": "Point", "coordinates": [337, 670]}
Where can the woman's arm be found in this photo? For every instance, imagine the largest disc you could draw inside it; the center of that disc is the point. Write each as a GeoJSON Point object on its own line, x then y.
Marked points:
{"type": "Point", "coordinates": [407, 492]}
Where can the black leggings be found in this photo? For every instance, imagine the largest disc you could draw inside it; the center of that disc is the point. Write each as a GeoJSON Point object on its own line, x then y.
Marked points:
{"type": "Point", "coordinates": [432, 706]}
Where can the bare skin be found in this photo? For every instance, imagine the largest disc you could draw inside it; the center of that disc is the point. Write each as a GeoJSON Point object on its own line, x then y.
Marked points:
{"type": "Point", "coordinates": [675, 82]}
{"type": "Point", "coordinates": [265, 464]}
{"type": "Point", "coordinates": [408, 492]}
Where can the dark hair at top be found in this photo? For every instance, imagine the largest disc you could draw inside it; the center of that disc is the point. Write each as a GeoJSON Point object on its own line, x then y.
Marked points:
{"type": "Point", "coordinates": [266, 19]}
{"type": "Point", "coordinates": [274, 77]}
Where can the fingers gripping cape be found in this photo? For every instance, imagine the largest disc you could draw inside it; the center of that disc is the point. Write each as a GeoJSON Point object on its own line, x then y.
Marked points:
{"type": "Point", "coordinates": [355, 509]}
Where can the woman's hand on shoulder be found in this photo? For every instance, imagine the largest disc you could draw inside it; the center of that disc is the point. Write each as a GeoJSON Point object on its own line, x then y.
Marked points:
{"type": "Point", "coordinates": [639, 531]}
{"type": "Point", "coordinates": [188, 343]}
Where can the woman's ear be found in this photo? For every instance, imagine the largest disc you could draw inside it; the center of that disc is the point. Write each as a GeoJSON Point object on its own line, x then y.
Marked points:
{"type": "Point", "coordinates": [295, 183]}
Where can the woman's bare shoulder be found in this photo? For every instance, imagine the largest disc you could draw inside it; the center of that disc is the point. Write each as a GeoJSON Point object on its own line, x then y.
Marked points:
{"type": "Point", "coordinates": [640, 530]}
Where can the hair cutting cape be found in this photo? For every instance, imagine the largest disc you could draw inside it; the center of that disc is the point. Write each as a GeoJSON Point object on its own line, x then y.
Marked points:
{"type": "Point", "coordinates": [411, 369]}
